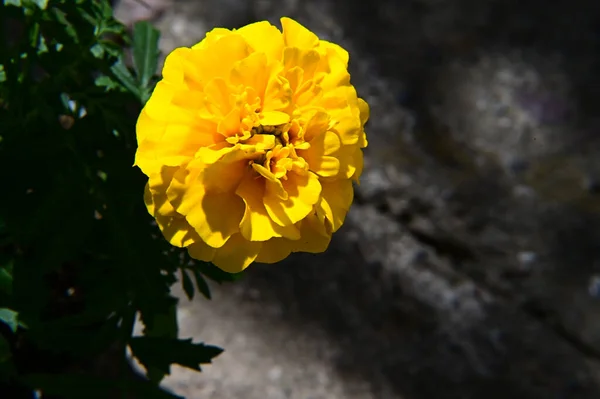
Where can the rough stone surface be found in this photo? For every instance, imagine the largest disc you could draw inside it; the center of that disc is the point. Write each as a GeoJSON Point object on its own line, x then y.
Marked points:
{"type": "Point", "coordinates": [469, 265]}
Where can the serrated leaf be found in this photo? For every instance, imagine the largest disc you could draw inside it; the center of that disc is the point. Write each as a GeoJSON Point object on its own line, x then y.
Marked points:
{"type": "Point", "coordinates": [201, 284]}
{"type": "Point", "coordinates": [9, 317]}
{"type": "Point", "coordinates": [124, 76]}
{"type": "Point", "coordinates": [160, 353]}
{"type": "Point", "coordinates": [145, 51]}
{"type": "Point", "coordinates": [107, 83]}
{"type": "Point", "coordinates": [160, 325]}
{"type": "Point", "coordinates": [187, 284]}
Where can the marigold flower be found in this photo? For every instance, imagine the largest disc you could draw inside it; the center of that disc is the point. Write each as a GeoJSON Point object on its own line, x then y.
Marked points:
{"type": "Point", "coordinates": [251, 142]}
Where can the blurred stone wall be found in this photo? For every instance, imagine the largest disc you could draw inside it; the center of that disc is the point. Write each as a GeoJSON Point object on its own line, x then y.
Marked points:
{"type": "Point", "coordinates": [468, 267]}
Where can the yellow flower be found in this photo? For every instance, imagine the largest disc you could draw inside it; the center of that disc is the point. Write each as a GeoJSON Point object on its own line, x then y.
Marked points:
{"type": "Point", "coordinates": [251, 142]}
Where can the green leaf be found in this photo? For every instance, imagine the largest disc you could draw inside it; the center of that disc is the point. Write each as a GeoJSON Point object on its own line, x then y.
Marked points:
{"type": "Point", "coordinates": [124, 76]}
{"type": "Point", "coordinates": [77, 386]}
{"type": "Point", "coordinates": [201, 284]}
{"type": "Point", "coordinates": [42, 4]}
{"type": "Point", "coordinates": [162, 325]}
{"type": "Point", "coordinates": [145, 51]}
{"type": "Point", "coordinates": [16, 3]}
{"type": "Point", "coordinates": [106, 82]}
{"type": "Point", "coordinates": [9, 317]}
{"type": "Point", "coordinates": [160, 353]}
{"type": "Point", "coordinates": [188, 286]}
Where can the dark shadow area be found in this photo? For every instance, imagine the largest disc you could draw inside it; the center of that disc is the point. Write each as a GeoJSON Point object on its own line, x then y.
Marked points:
{"type": "Point", "coordinates": [394, 340]}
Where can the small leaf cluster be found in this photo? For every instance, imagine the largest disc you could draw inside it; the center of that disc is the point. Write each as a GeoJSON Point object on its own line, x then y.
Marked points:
{"type": "Point", "coordinates": [80, 258]}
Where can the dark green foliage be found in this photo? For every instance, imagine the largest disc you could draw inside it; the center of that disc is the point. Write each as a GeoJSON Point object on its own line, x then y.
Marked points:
{"type": "Point", "coordinates": [79, 255]}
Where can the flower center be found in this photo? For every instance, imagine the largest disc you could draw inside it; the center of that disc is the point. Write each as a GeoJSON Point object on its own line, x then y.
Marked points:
{"type": "Point", "coordinates": [280, 156]}
{"type": "Point", "coordinates": [280, 132]}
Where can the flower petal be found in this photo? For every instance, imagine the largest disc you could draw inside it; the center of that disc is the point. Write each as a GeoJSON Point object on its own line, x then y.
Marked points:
{"type": "Point", "coordinates": [274, 250]}
{"type": "Point", "coordinates": [199, 250]}
{"type": "Point", "coordinates": [296, 35]}
{"type": "Point", "coordinates": [317, 155]}
{"type": "Point", "coordinates": [216, 59]}
{"type": "Point", "coordinates": [273, 118]}
{"type": "Point", "coordinates": [173, 226]}
{"type": "Point", "coordinates": [214, 215]}
{"type": "Point", "coordinates": [256, 225]}
{"type": "Point", "coordinates": [358, 158]}
{"type": "Point", "coordinates": [171, 144]}
{"type": "Point", "coordinates": [237, 254]}
{"type": "Point", "coordinates": [303, 192]}
{"type": "Point", "coordinates": [314, 236]}
{"type": "Point", "coordinates": [336, 198]}
{"type": "Point", "coordinates": [252, 72]}
{"type": "Point", "coordinates": [263, 37]}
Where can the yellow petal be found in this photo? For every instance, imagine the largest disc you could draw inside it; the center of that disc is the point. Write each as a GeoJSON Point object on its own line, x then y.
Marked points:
{"type": "Point", "coordinates": [261, 142]}
{"type": "Point", "coordinates": [303, 193]}
{"type": "Point", "coordinates": [213, 153]}
{"type": "Point", "coordinates": [237, 254]}
{"type": "Point", "coordinates": [214, 216]}
{"type": "Point", "coordinates": [325, 166]}
{"type": "Point", "coordinates": [216, 59]}
{"type": "Point", "coordinates": [173, 68]}
{"type": "Point", "coordinates": [274, 250]}
{"type": "Point", "coordinates": [308, 93]}
{"type": "Point", "coordinates": [173, 226]}
{"type": "Point", "coordinates": [223, 176]}
{"type": "Point", "coordinates": [336, 198]}
{"type": "Point", "coordinates": [211, 37]}
{"type": "Point", "coordinates": [273, 118]}
{"type": "Point", "coordinates": [171, 144]}
{"type": "Point", "coordinates": [263, 37]}
{"type": "Point", "coordinates": [277, 95]}
{"type": "Point", "coordinates": [252, 72]}
{"type": "Point", "coordinates": [295, 77]}
{"type": "Point", "coordinates": [155, 194]}
{"type": "Point", "coordinates": [347, 125]}
{"type": "Point", "coordinates": [307, 60]}
{"type": "Point", "coordinates": [338, 50]}
{"type": "Point", "coordinates": [335, 74]}
{"type": "Point", "coordinates": [364, 111]}
{"type": "Point", "coordinates": [296, 35]}
{"type": "Point", "coordinates": [347, 161]}
{"type": "Point", "coordinates": [314, 236]}
{"type": "Point", "coordinates": [218, 95]}
{"type": "Point", "coordinates": [322, 144]}
{"type": "Point", "coordinates": [317, 124]}
{"type": "Point", "coordinates": [230, 124]}
{"type": "Point", "coordinates": [199, 250]}
{"type": "Point", "coordinates": [256, 225]}
{"type": "Point", "coordinates": [177, 230]}
{"type": "Point", "coordinates": [159, 105]}
{"type": "Point", "coordinates": [358, 161]}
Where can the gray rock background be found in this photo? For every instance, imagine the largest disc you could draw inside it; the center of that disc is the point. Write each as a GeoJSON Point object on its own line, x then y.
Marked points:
{"type": "Point", "coordinates": [469, 266]}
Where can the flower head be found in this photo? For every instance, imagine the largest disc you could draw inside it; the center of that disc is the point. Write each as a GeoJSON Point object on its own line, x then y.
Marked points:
{"type": "Point", "coordinates": [251, 142]}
